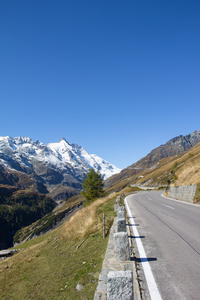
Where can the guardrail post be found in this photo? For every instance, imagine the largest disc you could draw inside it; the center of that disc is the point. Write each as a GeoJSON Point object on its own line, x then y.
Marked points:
{"type": "Point", "coordinates": [120, 285]}
{"type": "Point", "coordinates": [121, 246]}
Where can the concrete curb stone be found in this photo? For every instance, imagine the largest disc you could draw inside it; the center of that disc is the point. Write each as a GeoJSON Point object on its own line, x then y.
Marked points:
{"type": "Point", "coordinates": [110, 263]}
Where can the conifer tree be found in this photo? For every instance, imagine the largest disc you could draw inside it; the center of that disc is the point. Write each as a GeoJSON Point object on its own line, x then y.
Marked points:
{"type": "Point", "coordinates": [92, 186]}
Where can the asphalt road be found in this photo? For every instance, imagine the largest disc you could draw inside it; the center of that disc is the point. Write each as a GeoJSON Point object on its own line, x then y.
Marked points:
{"type": "Point", "coordinates": [170, 234]}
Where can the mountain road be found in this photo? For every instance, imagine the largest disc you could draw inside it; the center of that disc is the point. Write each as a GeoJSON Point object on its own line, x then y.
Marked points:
{"type": "Point", "coordinates": [166, 237]}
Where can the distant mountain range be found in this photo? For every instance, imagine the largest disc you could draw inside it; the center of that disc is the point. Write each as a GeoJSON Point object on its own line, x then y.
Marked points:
{"type": "Point", "coordinates": [173, 147]}
{"type": "Point", "coordinates": [57, 169]}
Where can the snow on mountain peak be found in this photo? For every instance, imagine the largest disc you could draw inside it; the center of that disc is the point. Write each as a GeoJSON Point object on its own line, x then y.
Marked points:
{"type": "Point", "coordinates": [22, 140]}
{"type": "Point", "coordinates": [63, 140]}
{"type": "Point", "coordinates": [106, 168]}
{"type": "Point", "coordinates": [62, 155]}
{"type": "Point", "coordinates": [16, 140]}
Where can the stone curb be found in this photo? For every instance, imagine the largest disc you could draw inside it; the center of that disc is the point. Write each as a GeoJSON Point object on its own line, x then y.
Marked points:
{"type": "Point", "coordinates": [111, 264]}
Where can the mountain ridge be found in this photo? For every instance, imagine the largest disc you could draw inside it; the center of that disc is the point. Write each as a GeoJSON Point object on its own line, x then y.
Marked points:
{"type": "Point", "coordinates": [41, 167]}
{"type": "Point", "coordinates": [173, 147]}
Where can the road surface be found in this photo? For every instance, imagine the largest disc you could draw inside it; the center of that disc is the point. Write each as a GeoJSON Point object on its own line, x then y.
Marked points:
{"type": "Point", "coordinates": [169, 232]}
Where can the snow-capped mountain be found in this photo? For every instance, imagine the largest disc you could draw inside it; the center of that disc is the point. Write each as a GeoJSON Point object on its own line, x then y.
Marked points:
{"type": "Point", "coordinates": [58, 168]}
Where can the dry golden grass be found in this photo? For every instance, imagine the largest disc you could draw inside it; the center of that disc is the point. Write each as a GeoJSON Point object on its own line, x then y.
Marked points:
{"type": "Point", "coordinates": [189, 173]}
{"type": "Point", "coordinates": [187, 170]}
{"type": "Point", "coordinates": [163, 169]}
{"type": "Point", "coordinates": [85, 221]}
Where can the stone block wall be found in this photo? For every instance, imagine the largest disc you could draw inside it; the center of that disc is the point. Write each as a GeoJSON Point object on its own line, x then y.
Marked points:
{"type": "Point", "coordinates": [184, 192]}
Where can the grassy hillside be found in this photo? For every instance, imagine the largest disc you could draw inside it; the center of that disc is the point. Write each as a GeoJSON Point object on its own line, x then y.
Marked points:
{"type": "Point", "coordinates": [51, 266]}
{"type": "Point", "coordinates": [188, 169]}
{"type": "Point", "coordinates": [182, 169]}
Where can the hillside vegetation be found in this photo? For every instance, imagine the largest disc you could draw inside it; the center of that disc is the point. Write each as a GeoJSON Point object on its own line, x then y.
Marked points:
{"type": "Point", "coordinates": [188, 168]}
{"type": "Point", "coordinates": [50, 221]}
{"type": "Point", "coordinates": [19, 208]}
{"type": "Point", "coordinates": [182, 169]}
{"type": "Point", "coordinates": [52, 265]}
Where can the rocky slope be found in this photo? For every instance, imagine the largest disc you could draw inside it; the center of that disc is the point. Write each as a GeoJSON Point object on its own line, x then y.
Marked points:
{"type": "Point", "coordinates": [150, 162]}
{"type": "Point", "coordinates": [171, 148]}
{"type": "Point", "coordinates": [55, 168]}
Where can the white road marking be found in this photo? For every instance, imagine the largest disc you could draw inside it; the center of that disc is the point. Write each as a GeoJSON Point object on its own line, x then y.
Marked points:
{"type": "Point", "coordinates": [152, 286]}
{"type": "Point", "coordinates": [180, 201]}
{"type": "Point", "coordinates": [150, 199]}
{"type": "Point", "coordinates": [168, 206]}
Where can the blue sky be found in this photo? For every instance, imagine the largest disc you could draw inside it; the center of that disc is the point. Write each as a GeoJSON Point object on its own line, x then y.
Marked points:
{"type": "Point", "coordinates": [116, 77]}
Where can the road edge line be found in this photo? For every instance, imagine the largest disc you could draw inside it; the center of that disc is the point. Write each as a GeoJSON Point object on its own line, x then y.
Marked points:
{"type": "Point", "coordinates": [152, 286]}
